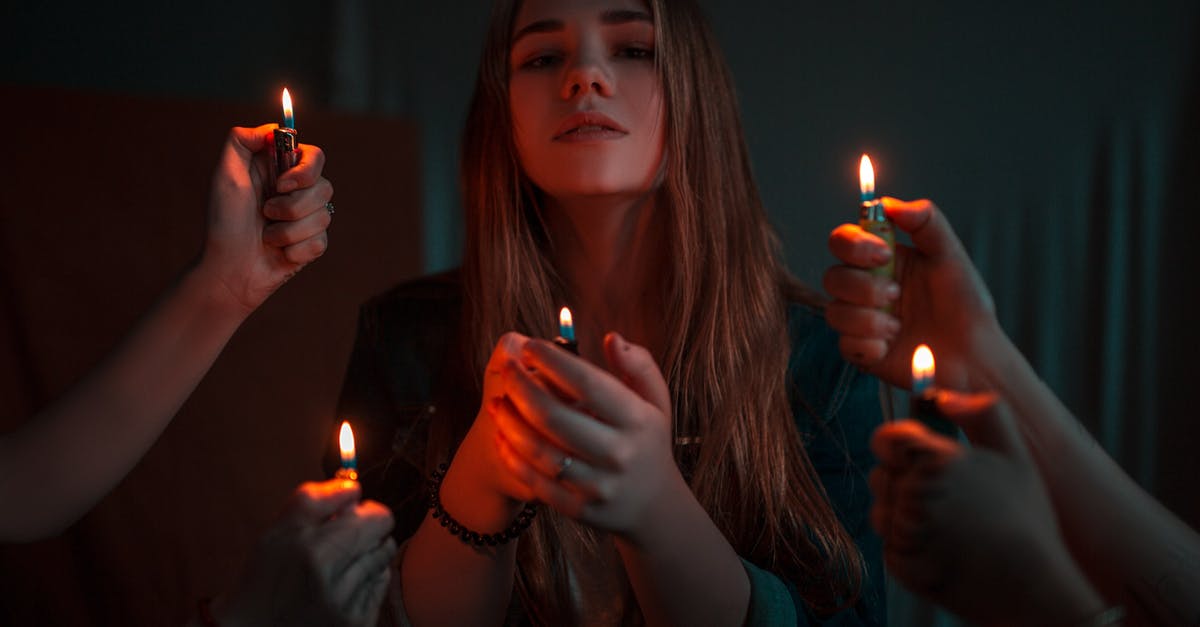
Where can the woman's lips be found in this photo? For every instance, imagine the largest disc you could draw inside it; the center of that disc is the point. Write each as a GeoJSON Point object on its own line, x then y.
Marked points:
{"type": "Point", "coordinates": [589, 126]}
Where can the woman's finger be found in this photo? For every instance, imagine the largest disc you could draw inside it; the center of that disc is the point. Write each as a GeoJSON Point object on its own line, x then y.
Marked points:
{"type": "Point", "coordinates": [566, 427]}
{"type": "Point", "coordinates": [860, 287]}
{"type": "Point", "coordinates": [559, 467]}
{"type": "Point", "coordinates": [306, 171]}
{"type": "Point", "coordinates": [857, 321]}
{"type": "Point", "coordinates": [300, 203]}
{"type": "Point", "coordinates": [638, 369]}
{"type": "Point", "coordinates": [598, 392]}
{"type": "Point", "coordinates": [556, 494]}
{"type": "Point", "coordinates": [305, 251]}
{"type": "Point", "coordinates": [540, 452]}
{"type": "Point", "coordinates": [857, 247]}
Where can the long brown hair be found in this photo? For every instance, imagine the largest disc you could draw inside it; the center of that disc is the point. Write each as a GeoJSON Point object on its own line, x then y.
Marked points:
{"type": "Point", "coordinates": [727, 347]}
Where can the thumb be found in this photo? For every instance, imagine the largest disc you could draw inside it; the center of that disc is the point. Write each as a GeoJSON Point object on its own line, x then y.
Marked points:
{"type": "Point", "coordinates": [930, 230]}
{"type": "Point", "coordinates": [635, 366]}
{"type": "Point", "coordinates": [315, 501]}
{"type": "Point", "coordinates": [247, 141]}
{"type": "Point", "coordinates": [985, 419]}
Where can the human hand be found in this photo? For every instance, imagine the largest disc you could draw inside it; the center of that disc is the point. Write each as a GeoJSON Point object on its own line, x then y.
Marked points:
{"type": "Point", "coordinates": [255, 244]}
{"type": "Point", "coordinates": [478, 490]}
{"type": "Point", "coordinates": [326, 562]}
{"type": "Point", "coordinates": [974, 530]}
{"type": "Point", "coordinates": [938, 298]}
{"type": "Point", "coordinates": [615, 430]}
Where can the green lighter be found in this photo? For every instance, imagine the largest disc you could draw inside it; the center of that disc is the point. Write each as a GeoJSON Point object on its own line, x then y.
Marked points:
{"type": "Point", "coordinates": [872, 218]}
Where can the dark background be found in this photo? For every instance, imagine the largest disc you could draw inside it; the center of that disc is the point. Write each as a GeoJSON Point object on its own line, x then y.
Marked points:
{"type": "Point", "coordinates": [1058, 136]}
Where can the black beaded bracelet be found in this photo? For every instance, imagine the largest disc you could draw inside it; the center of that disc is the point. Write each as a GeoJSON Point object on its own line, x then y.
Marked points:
{"type": "Point", "coordinates": [524, 519]}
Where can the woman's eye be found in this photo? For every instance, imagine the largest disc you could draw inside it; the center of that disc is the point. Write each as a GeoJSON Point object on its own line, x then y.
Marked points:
{"type": "Point", "coordinates": [541, 61]}
{"type": "Point", "coordinates": [637, 52]}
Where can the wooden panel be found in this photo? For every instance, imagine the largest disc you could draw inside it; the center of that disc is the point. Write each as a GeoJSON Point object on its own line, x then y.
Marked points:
{"type": "Point", "coordinates": [102, 205]}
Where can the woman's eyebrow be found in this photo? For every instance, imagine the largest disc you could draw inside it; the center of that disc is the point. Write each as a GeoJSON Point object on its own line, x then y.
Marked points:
{"type": "Point", "coordinates": [618, 16]}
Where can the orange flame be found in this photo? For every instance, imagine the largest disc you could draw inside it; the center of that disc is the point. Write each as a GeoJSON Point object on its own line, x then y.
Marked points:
{"type": "Point", "coordinates": [922, 368]}
{"type": "Point", "coordinates": [346, 441]}
{"type": "Point", "coordinates": [866, 177]}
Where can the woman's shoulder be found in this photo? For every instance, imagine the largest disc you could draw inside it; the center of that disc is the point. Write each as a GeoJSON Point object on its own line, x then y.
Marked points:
{"type": "Point", "coordinates": [416, 308]}
{"type": "Point", "coordinates": [441, 291]}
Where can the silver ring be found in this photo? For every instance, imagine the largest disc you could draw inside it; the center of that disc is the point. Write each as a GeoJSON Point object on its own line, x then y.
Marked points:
{"type": "Point", "coordinates": [563, 466]}
{"type": "Point", "coordinates": [329, 207]}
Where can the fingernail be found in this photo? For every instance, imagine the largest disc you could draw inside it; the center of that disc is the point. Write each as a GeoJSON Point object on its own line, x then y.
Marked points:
{"type": "Point", "coordinates": [286, 185]}
{"type": "Point", "coordinates": [892, 291]}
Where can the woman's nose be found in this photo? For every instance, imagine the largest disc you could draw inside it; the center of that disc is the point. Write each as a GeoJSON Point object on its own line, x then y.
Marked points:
{"type": "Point", "coordinates": [584, 78]}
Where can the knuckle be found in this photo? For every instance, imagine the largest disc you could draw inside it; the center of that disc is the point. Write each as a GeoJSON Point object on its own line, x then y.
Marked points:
{"type": "Point", "coordinates": [604, 490]}
{"type": "Point", "coordinates": [319, 245]}
{"type": "Point", "coordinates": [621, 455]}
{"type": "Point", "coordinates": [876, 323]}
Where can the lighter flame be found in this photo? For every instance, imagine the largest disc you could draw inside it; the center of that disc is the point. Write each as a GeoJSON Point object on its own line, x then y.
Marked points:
{"type": "Point", "coordinates": [287, 103]}
{"type": "Point", "coordinates": [346, 441]}
{"type": "Point", "coordinates": [922, 364]}
{"type": "Point", "coordinates": [564, 319]}
{"type": "Point", "coordinates": [866, 176]}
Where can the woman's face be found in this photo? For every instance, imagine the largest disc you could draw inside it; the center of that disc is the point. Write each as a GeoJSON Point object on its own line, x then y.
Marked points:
{"type": "Point", "coordinates": [586, 101]}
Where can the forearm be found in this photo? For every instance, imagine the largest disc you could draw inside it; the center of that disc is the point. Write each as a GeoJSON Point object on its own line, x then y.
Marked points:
{"type": "Point", "coordinates": [446, 582]}
{"type": "Point", "coordinates": [77, 449]}
{"type": "Point", "coordinates": [682, 569]}
{"type": "Point", "coordinates": [1135, 550]}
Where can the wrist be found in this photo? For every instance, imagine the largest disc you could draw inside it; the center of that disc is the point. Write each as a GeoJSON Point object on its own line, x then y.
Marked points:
{"type": "Point", "coordinates": [665, 516]}
{"type": "Point", "coordinates": [475, 503]}
{"type": "Point", "coordinates": [214, 294]}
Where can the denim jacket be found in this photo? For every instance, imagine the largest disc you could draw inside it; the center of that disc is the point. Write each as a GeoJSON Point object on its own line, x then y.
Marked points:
{"type": "Point", "coordinates": [406, 368]}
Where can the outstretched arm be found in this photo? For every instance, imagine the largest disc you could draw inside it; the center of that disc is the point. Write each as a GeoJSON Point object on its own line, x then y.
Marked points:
{"type": "Point", "coordinates": [1135, 550]}
{"type": "Point", "coordinates": [65, 459]}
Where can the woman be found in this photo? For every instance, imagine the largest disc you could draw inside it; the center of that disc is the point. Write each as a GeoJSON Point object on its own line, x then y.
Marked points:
{"type": "Point", "coordinates": [604, 168]}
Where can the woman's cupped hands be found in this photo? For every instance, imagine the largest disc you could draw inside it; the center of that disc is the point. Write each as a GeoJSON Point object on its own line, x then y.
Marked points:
{"type": "Point", "coordinates": [593, 444]}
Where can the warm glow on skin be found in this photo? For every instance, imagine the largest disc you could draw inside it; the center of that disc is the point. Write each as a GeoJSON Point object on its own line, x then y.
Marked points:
{"type": "Point", "coordinates": [866, 177]}
{"type": "Point", "coordinates": [346, 441]}
{"type": "Point", "coordinates": [586, 56]}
